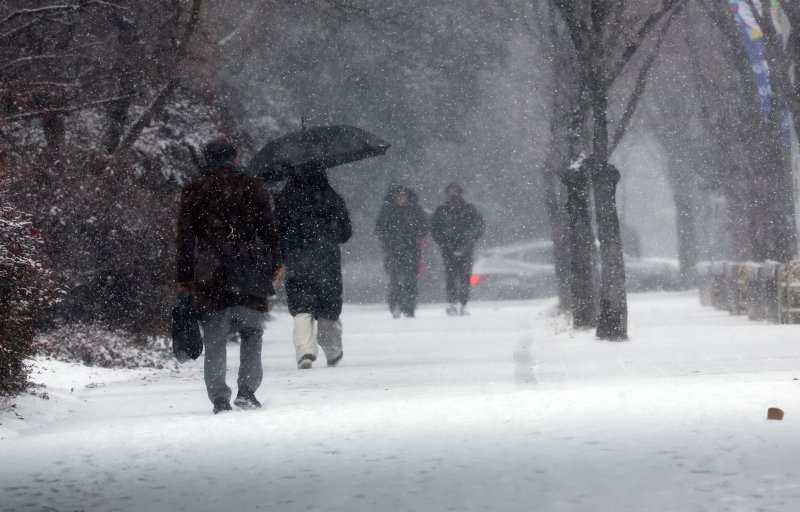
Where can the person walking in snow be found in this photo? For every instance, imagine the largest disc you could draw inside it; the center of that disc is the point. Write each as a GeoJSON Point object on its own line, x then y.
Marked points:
{"type": "Point", "coordinates": [228, 255]}
{"type": "Point", "coordinates": [313, 221]}
{"type": "Point", "coordinates": [456, 226]}
{"type": "Point", "coordinates": [401, 226]}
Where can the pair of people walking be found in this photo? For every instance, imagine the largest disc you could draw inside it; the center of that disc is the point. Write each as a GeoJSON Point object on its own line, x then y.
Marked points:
{"type": "Point", "coordinates": [402, 225]}
{"type": "Point", "coordinates": [230, 251]}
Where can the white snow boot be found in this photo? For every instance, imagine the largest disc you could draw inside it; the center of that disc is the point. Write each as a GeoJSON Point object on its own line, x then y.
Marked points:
{"type": "Point", "coordinates": [304, 337]}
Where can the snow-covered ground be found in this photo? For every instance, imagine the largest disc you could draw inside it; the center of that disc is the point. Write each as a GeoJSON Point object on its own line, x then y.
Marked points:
{"type": "Point", "coordinates": [504, 410]}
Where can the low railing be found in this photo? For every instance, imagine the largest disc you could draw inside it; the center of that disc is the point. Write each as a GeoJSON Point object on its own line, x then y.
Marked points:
{"type": "Point", "coordinates": [762, 291]}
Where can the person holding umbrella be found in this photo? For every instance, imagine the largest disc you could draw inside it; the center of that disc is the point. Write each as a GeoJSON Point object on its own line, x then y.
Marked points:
{"type": "Point", "coordinates": [401, 226]}
{"type": "Point", "coordinates": [313, 221]}
{"type": "Point", "coordinates": [456, 226]}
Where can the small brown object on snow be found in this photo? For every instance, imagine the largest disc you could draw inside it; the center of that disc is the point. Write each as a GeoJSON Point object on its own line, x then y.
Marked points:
{"type": "Point", "coordinates": [773, 413]}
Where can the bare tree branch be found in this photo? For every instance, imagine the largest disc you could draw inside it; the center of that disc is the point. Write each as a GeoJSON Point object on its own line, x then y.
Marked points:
{"type": "Point", "coordinates": [109, 4]}
{"type": "Point", "coordinates": [574, 25]}
{"type": "Point", "coordinates": [17, 30]}
{"type": "Point", "coordinates": [32, 58]}
{"type": "Point", "coordinates": [717, 20]}
{"type": "Point", "coordinates": [641, 82]}
{"type": "Point", "coordinates": [160, 100]}
{"type": "Point", "coordinates": [39, 10]}
{"type": "Point", "coordinates": [65, 110]}
{"type": "Point", "coordinates": [644, 31]}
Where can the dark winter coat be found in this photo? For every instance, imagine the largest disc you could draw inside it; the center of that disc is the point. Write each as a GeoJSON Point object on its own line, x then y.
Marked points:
{"type": "Point", "coordinates": [228, 243]}
{"type": "Point", "coordinates": [313, 221]}
{"type": "Point", "coordinates": [456, 226]}
{"type": "Point", "coordinates": [400, 229]}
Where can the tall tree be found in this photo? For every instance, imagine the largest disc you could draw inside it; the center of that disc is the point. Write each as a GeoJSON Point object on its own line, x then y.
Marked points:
{"type": "Point", "coordinates": [606, 37]}
{"type": "Point", "coordinates": [763, 193]}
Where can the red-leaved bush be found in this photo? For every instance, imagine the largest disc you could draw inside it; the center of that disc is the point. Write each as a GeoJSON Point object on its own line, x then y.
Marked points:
{"type": "Point", "coordinates": [25, 288]}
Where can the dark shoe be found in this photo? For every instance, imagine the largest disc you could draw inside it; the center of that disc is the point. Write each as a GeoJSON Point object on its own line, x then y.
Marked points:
{"type": "Point", "coordinates": [452, 310]}
{"type": "Point", "coordinates": [246, 400]}
{"type": "Point", "coordinates": [306, 361]}
{"type": "Point", "coordinates": [335, 360]}
{"type": "Point", "coordinates": [221, 405]}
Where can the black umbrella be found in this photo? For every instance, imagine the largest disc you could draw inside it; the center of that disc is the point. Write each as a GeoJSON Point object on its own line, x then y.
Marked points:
{"type": "Point", "coordinates": [311, 149]}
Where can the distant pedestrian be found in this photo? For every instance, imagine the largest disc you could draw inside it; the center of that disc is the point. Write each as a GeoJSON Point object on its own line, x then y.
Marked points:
{"type": "Point", "coordinates": [456, 226]}
{"type": "Point", "coordinates": [228, 255]}
{"type": "Point", "coordinates": [402, 224]}
{"type": "Point", "coordinates": [313, 221]}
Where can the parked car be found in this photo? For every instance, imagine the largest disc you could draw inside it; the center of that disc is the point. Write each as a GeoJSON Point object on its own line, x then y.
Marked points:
{"type": "Point", "coordinates": [518, 271]}
{"type": "Point", "coordinates": [526, 271]}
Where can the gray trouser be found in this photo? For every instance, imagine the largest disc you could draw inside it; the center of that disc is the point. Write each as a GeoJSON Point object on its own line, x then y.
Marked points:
{"type": "Point", "coordinates": [217, 328]}
{"type": "Point", "coordinates": [307, 333]}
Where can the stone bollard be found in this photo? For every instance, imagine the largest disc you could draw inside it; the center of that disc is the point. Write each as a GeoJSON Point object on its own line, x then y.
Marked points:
{"type": "Point", "coordinates": [732, 272]}
{"type": "Point", "coordinates": [790, 292]}
{"type": "Point", "coordinates": [771, 275]}
{"type": "Point", "coordinates": [756, 307]}
{"type": "Point", "coordinates": [705, 284]}
{"type": "Point", "coordinates": [719, 295]}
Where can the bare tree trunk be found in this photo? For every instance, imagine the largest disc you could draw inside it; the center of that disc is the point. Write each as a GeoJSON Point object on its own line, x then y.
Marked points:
{"type": "Point", "coordinates": [775, 227]}
{"type": "Point", "coordinates": [740, 225]}
{"type": "Point", "coordinates": [116, 117]}
{"type": "Point", "coordinates": [581, 244]}
{"type": "Point", "coordinates": [54, 135]}
{"type": "Point", "coordinates": [780, 230]}
{"type": "Point", "coordinates": [559, 235]}
{"type": "Point", "coordinates": [580, 235]}
{"type": "Point", "coordinates": [687, 233]}
{"type": "Point", "coordinates": [565, 130]}
{"type": "Point", "coordinates": [612, 320]}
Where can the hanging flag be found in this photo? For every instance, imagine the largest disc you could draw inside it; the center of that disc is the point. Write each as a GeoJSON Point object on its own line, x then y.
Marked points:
{"type": "Point", "coordinates": [753, 39]}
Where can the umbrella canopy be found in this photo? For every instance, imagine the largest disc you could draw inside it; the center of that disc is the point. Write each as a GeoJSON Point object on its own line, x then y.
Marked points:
{"type": "Point", "coordinates": [315, 148]}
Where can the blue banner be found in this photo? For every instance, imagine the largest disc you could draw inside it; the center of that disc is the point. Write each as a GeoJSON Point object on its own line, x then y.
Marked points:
{"type": "Point", "coordinates": [753, 40]}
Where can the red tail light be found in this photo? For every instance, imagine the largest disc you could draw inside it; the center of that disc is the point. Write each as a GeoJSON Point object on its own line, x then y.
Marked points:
{"type": "Point", "coordinates": [475, 279]}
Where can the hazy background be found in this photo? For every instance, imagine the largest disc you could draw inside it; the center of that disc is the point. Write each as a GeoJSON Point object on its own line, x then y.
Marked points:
{"type": "Point", "coordinates": [462, 92]}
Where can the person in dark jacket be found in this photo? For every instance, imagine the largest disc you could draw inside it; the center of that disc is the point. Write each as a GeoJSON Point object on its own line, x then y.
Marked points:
{"type": "Point", "coordinates": [228, 254]}
{"type": "Point", "coordinates": [401, 226]}
{"type": "Point", "coordinates": [313, 221]}
{"type": "Point", "coordinates": [456, 226]}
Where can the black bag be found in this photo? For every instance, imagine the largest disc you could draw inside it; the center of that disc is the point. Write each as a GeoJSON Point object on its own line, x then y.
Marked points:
{"type": "Point", "coordinates": [186, 340]}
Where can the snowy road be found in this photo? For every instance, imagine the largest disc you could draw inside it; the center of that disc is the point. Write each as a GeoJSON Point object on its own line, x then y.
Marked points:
{"type": "Point", "coordinates": [500, 411]}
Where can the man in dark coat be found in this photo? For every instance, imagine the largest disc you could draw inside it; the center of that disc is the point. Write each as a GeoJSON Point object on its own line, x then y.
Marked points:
{"type": "Point", "coordinates": [228, 254]}
{"type": "Point", "coordinates": [401, 226]}
{"type": "Point", "coordinates": [313, 221]}
{"type": "Point", "coordinates": [456, 226]}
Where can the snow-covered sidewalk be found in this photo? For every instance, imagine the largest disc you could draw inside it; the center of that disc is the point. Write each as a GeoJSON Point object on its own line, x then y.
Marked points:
{"type": "Point", "coordinates": [500, 411]}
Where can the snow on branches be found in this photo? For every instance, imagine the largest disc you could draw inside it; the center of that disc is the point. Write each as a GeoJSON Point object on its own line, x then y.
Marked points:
{"type": "Point", "coordinates": [25, 288]}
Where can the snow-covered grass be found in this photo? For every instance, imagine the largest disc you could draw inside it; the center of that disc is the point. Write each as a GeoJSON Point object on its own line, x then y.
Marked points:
{"type": "Point", "coordinates": [504, 410]}
{"type": "Point", "coordinates": [94, 345]}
